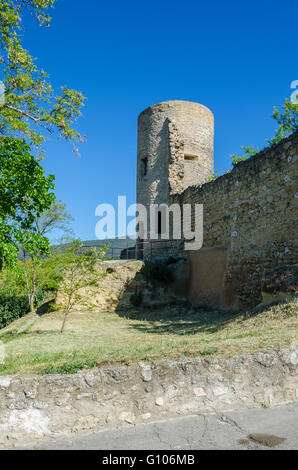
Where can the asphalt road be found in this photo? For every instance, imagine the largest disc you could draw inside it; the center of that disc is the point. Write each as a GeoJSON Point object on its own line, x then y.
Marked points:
{"type": "Point", "coordinates": [250, 429]}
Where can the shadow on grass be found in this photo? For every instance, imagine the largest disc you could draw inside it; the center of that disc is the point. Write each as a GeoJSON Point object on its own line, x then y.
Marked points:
{"type": "Point", "coordinates": [185, 321]}
{"type": "Point", "coordinates": [13, 334]}
{"type": "Point", "coordinates": [45, 308]}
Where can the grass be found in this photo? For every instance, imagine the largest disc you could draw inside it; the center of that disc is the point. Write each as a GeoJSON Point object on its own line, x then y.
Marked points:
{"type": "Point", "coordinates": [97, 338]}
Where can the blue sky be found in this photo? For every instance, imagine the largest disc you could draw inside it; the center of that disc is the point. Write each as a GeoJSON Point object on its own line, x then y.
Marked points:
{"type": "Point", "coordinates": [237, 58]}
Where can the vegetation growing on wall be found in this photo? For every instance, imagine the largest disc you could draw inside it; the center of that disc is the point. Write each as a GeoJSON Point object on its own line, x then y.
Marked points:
{"type": "Point", "coordinates": [157, 271]}
{"type": "Point", "coordinates": [287, 120]}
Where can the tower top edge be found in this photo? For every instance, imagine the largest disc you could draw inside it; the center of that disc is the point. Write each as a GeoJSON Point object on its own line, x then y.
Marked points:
{"type": "Point", "coordinates": [170, 103]}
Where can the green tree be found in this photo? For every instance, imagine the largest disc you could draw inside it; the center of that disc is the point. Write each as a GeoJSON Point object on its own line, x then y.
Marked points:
{"type": "Point", "coordinates": [25, 193]}
{"type": "Point", "coordinates": [52, 219]}
{"type": "Point", "coordinates": [41, 277]}
{"type": "Point", "coordinates": [36, 271]}
{"type": "Point", "coordinates": [78, 272]}
{"type": "Point", "coordinates": [30, 105]}
{"type": "Point", "coordinates": [287, 120]}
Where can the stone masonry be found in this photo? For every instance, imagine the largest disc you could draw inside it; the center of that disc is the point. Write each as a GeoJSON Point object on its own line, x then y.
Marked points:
{"type": "Point", "coordinates": [33, 406]}
{"type": "Point", "coordinates": [252, 212]}
{"type": "Point", "coordinates": [175, 150]}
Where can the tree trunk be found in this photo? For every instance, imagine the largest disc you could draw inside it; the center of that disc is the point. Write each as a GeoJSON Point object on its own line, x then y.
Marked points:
{"type": "Point", "coordinates": [67, 312]}
{"type": "Point", "coordinates": [64, 321]}
{"type": "Point", "coordinates": [30, 293]}
{"type": "Point", "coordinates": [28, 289]}
{"type": "Point", "coordinates": [32, 307]}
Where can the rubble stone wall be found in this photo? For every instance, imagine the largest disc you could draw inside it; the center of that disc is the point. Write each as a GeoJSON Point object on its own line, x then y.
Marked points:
{"type": "Point", "coordinates": [33, 406]}
{"type": "Point", "coordinates": [252, 212]}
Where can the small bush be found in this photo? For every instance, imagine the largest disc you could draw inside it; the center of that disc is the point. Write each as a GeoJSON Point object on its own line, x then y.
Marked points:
{"type": "Point", "coordinates": [40, 296]}
{"type": "Point", "coordinates": [71, 368]}
{"type": "Point", "coordinates": [12, 307]}
{"type": "Point", "coordinates": [157, 271]}
{"type": "Point", "coordinates": [208, 352]}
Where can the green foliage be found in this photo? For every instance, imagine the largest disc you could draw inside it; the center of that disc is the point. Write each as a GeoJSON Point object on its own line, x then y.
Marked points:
{"type": "Point", "coordinates": [287, 120]}
{"type": "Point", "coordinates": [69, 368]}
{"type": "Point", "coordinates": [18, 283]}
{"type": "Point", "coordinates": [54, 218]}
{"type": "Point", "coordinates": [213, 177]}
{"type": "Point", "coordinates": [25, 192]}
{"type": "Point", "coordinates": [157, 271]}
{"type": "Point", "coordinates": [30, 103]}
{"type": "Point", "coordinates": [78, 271]}
{"type": "Point", "coordinates": [40, 296]}
{"type": "Point", "coordinates": [249, 151]}
{"type": "Point", "coordinates": [11, 281]}
{"type": "Point", "coordinates": [12, 307]}
{"type": "Point", "coordinates": [41, 274]}
{"type": "Point", "coordinates": [208, 352]}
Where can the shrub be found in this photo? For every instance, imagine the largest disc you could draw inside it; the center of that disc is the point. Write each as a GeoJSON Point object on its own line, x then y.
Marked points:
{"type": "Point", "coordinates": [157, 271]}
{"type": "Point", "coordinates": [71, 368]}
{"type": "Point", "coordinates": [12, 307]}
{"type": "Point", "coordinates": [40, 296]}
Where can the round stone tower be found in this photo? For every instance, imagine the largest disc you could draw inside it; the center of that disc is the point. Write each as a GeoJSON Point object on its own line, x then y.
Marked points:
{"type": "Point", "coordinates": [175, 150]}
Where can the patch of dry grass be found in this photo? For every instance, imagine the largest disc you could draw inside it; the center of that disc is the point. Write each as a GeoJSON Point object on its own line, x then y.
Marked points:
{"type": "Point", "coordinates": [106, 337]}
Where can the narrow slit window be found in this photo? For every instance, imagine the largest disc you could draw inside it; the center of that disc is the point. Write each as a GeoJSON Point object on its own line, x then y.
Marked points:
{"type": "Point", "coordinates": [159, 223]}
{"type": "Point", "coordinates": [144, 166]}
{"type": "Point", "coordinates": [189, 156]}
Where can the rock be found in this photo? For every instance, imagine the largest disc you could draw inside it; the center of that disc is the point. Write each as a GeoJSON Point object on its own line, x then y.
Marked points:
{"type": "Point", "coordinates": [199, 392]}
{"type": "Point", "coordinates": [92, 378]}
{"type": "Point", "coordinates": [84, 395]}
{"type": "Point", "coordinates": [5, 382]}
{"type": "Point", "coordinates": [85, 422]}
{"type": "Point", "coordinates": [146, 372]}
{"type": "Point", "coordinates": [62, 399]}
{"type": "Point", "coordinates": [290, 357]}
{"type": "Point", "coordinates": [266, 359]}
{"type": "Point", "coordinates": [30, 393]}
{"type": "Point", "coordinates": [127, 416]}
{"type": "Point", "coordinates": [219, 390]}
{"type": "Point", "coordinates": [159, 401]}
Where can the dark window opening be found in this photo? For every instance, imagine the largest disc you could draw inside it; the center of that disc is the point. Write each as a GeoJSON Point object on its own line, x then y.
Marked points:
{"type": "Point", "coordinates": [159, 223]}
{"type": "Point", "coordinates": [189, 156]}
{"type": "Point", "coordinates": [144, 166]}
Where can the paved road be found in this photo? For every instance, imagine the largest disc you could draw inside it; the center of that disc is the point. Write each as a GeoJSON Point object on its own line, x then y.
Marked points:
{"type": "Point", "coordinates": [228, 430]}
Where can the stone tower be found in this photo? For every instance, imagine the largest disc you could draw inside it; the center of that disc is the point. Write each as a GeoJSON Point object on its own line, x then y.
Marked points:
{"type": "Point", "coordinates": [175, 150]}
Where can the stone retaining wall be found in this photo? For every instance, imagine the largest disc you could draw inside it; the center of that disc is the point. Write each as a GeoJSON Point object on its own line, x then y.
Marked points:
{"type": "Point", "coordinates": [33, 406]}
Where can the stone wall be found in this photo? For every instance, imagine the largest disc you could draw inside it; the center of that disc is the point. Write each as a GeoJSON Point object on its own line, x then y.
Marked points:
{"type": "Point", "coordinates": [252, 212]}
{"type": "Point", "coordinates": [33, 406]}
